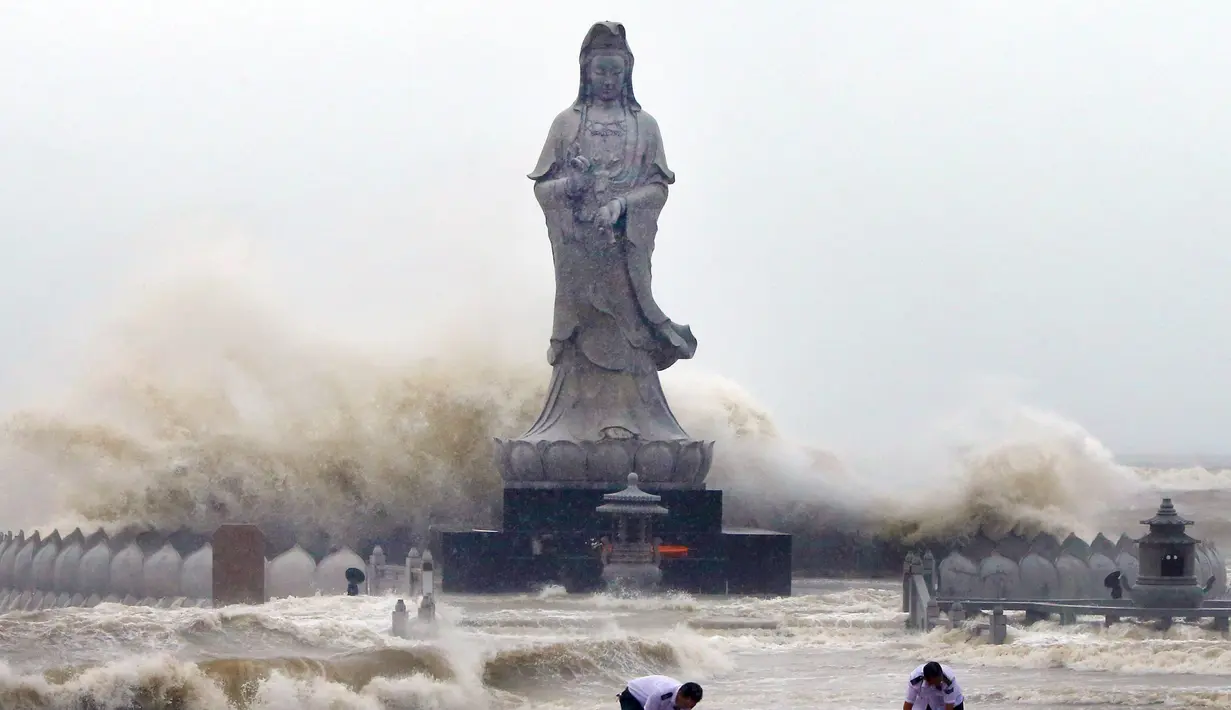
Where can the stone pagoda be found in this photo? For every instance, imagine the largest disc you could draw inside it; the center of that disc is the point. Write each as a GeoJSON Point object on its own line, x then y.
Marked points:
{"type": "Point", "coordinates": [1167, 555]}
{"type": "Point", "coordinates": [630, 555]}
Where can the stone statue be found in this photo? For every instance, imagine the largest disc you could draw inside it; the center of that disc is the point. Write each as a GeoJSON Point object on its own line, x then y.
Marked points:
{"type": "Point", "coordinates": [601, 180]}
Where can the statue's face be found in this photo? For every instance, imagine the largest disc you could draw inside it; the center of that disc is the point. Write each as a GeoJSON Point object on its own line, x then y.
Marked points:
{"type": "Point", "coordinates": [606, 75]}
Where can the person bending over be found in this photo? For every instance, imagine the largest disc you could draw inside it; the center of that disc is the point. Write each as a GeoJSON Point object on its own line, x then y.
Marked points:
{"type": "Point", "coordinates": [659, 692]}
{"type": "Point", "coordinates": [933, 687]}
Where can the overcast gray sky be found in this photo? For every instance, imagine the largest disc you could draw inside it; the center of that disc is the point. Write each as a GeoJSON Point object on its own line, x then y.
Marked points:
{"type": "Point", "coordinates": [878, 203]}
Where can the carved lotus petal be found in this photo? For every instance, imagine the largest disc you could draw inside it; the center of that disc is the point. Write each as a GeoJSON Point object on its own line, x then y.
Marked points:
{"type": "Point", "coordinates": [707, 458]}
{"type": "Point", "coordinates": [525, 463]}
{"type": "Point", "coordinates": [655, 461]}
{"type": "Point", "coordinates": [291, 574]}
{"type": "Point", "coordinates": [94, 572]}
{"type": "Point", "coordinates": [688, 463]}
{"type": "Point", "coordinates": [44, 566]}
{"type": "Point", "coordinates": [1130, 568]}
{"type": "Point", "coordinates": [23, 566]}
{"type": "Point", "coordinates": [65, 574]}
{"type": "Point", "coordinates": [162, 572]}
{"type": "Point", "coordinates": [196, 576]}
{"type": "Point", "coordinates": [999, 576]}
{"type": "Point", "coordinates": [500, 457]}
{"type": "Point", "coordinates": [1202, 563]}
{"type": "Point", "coordinates": [959, 577]}
{"type": "Point", "coordinates": [1100, 566]}
{"type": "Point", "coordinates": [1101, 545]}
{"type": "Point", "coordinates": [563, 461]}
{"type": "Point", "coordinates": [6, 564]}
{"type": "Point", "coordinates": [127, 570]}
{"type": "Point", "coordinates": [1074, 577]}
{"type": "Point", "coordinates": [610, 461]}
{"type": "Point", "coordinates": [1039, 577]}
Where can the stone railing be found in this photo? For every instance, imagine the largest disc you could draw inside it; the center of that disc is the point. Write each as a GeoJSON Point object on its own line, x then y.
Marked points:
{"type": "Point", "coordinates": [919, 592]}
{"type": "Point", "coordinates": [146, 567]}
{"type": "Point", "coordinates": [923, 609]}
{"type": "Point", "coordinates": [1044, 568]}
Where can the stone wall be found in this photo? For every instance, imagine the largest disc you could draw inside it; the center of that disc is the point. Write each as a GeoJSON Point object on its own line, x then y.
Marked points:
{"type": "Point", "coordinates": [1047, 568]}
{"type": "Point", "coordinates": [143, 566]}
{"type": "Point", "coordinates": [140, 566]}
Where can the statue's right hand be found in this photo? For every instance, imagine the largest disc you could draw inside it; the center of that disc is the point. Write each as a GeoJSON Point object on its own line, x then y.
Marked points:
{"type": "Point", "coordinates": [579, 183]}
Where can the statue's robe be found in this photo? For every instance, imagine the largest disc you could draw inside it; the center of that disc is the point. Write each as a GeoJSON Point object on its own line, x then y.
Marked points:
{"type": "Point", "coordinates": [609, 336]}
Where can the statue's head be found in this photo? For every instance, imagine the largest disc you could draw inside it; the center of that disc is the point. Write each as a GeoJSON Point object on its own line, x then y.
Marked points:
{"type": "Point", "coordinates": [606, 66]}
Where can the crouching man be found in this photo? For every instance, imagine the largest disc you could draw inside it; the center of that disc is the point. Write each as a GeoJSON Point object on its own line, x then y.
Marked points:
{"type": "Point", "coordinates": [933, 687]}
{"type": "Point", "coordinates": [659, 692]}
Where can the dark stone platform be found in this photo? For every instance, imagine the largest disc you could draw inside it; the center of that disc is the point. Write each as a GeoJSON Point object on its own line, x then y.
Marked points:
{"type": "Point", "coordinates": [572, 510]}
{"type": "Point", "coordinates": [719, 561]}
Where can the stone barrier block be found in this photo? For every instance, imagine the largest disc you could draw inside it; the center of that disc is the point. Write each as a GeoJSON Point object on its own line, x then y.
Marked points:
{"type": "Point", "coordinates": [238, 565]}
{"type": "Point", "coordinates": [331, 572]}
{"type": "Point", "coordinates": [292, 574]}
{"type": "Point", "coordinates": [197, 573]}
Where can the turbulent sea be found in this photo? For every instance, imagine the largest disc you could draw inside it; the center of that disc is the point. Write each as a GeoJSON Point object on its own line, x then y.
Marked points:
{"type": "Point", "coordinates": [201, 405]}
{"type": "Point", "coordinates": [836, 644]}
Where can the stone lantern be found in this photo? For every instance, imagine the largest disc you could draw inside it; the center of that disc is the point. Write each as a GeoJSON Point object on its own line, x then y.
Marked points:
{"type": "Point", "coordinates": [630, 555]}
{"type": "Point", "coordinates": [1168, 557]}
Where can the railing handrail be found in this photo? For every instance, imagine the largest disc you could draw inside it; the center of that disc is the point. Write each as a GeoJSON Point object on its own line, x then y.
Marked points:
{"type": "Point", "coordinates": [923, 610]}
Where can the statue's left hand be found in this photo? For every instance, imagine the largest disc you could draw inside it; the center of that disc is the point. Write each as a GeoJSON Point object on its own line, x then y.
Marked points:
{"type": "Point", "coordinates": [610, 213]}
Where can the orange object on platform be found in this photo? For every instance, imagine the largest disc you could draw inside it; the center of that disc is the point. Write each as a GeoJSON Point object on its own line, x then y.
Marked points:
{"type": "Point", "coordinates": [673, 550]}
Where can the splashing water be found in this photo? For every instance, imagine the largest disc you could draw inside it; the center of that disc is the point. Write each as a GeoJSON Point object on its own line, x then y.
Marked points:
{"type": "Point", "coordinates": [838, 640]}
{"type": "Point", "coordinates": [204, 403]}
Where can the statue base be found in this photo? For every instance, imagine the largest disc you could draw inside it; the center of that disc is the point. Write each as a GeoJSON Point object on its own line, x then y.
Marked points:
{"type": "Point", "coordinates": [551, 536]}
{"type": "Point", "coordinates": [680, 464]}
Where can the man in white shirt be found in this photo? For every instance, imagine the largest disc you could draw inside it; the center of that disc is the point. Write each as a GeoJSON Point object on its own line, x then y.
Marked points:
{"type": "Point", "coordinates": [659, 692]}
{"type": "Point", "coordinates": [933, 687]}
